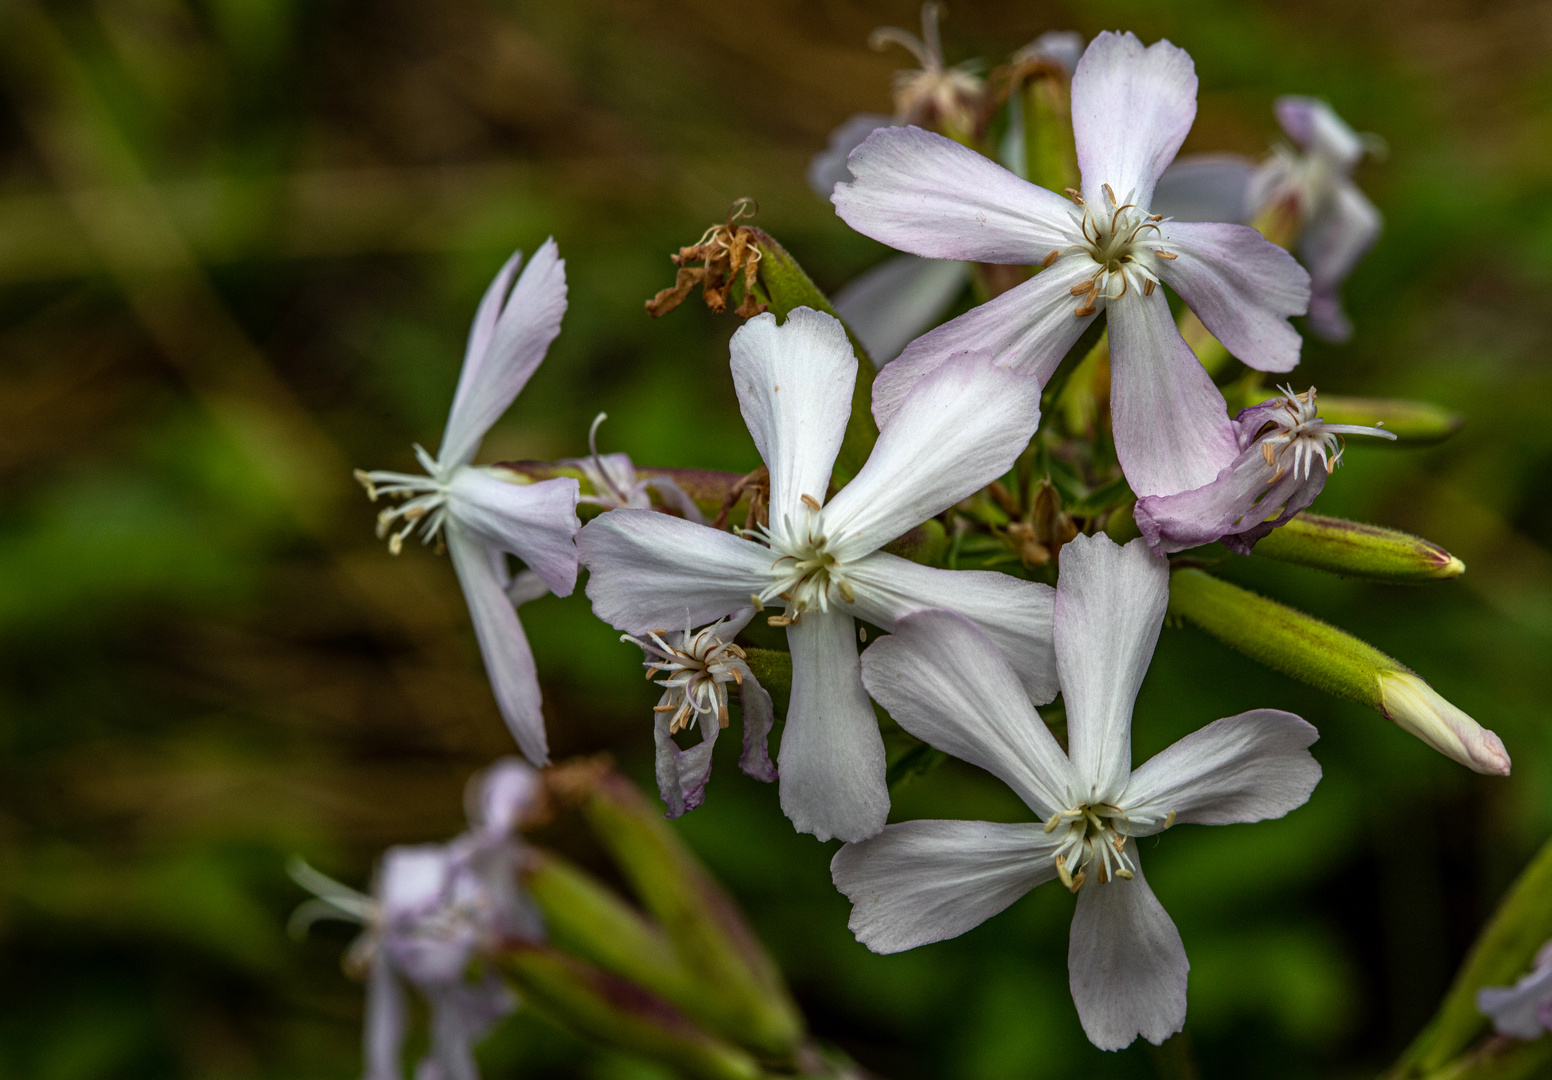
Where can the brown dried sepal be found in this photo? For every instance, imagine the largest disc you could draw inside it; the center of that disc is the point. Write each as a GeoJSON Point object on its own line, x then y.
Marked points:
{"type": "Point", "coordinates": [758, 485]}
{"type": "Point", "coordinates": [1040, 537]}
{"type": "Point", "coordinates": [723, 254]}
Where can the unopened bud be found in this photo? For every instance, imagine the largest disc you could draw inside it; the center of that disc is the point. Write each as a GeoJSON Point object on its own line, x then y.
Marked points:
{"type": "Point", "coordinates": [1418, 708]}
{"type": "Point", "coordinates": [1413, 422]}
{"type": "Point", "coordinates": [1335, 661]}
{"type": "Point", "coordinates": [1353, 549]}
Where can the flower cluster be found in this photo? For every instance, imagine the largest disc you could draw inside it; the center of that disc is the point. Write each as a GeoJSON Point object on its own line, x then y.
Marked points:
{"type": "Point", "coordinates": [961, 654]}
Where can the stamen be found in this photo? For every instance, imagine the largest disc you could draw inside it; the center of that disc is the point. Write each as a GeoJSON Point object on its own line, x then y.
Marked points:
{"type": "Point", "coordinates": [1148, 286]}
{"type": "Point", "coordinates": [1169, 819]}
{"type": "Point", "coordinates": [1075, 195]}
{"type": "Point", "coordinates": [809, 501]}
{"type": "Point", "coordinates": [1109, 194]}
{"type": "Point", "coordinates": [1084, 312]}
{"type": "Point", "coordinates": [1046, 262]}
{"type": "Point", "coordinates": [1168, 256]}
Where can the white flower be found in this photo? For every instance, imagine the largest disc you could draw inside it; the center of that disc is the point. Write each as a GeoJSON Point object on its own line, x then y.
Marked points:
{"type": "Point", "coordinates": [697, 666]}
{"type": "Point", "coordinates": [483, 514]}
{"type": "Point", "coordinates": [615, 483]}
{"type": "Point", "coordinates": [435, 910]}
{"type": "Point", "coordinates": [1131, 108]}
{"type": "Point", "coordinates": [1524, 1010]}
{"type": "Point", "coordinates": [946, 683]}
{"type": "Point", "coordinates": [964, 427]}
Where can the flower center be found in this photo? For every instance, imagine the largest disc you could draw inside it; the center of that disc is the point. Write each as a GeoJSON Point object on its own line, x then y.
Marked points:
{"type": "Point", "coordinates": [425, 505]}
{"type": "Point", "coordinates": [1095, 842]}
{"type": "Point", "coordinates": [697, 669]}
{"type": "Point", "coordinates": [1298, 437]}
{"type": "Point", "coordinates": [805, 570]}
{"type": "Point", "coordinates": [1122, 241]}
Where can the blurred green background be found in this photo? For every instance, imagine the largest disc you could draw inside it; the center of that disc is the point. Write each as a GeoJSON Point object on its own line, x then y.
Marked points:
{"type": "Point", "coordinates": [240, 243]}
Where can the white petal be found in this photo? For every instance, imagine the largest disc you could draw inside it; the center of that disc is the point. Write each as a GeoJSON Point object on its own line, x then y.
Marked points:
{"type": "Point", "coordinates": [536, 522]}
{"type": "Point", "coordinates": [963, 426]}
{"type": "Point", "coordinates": [1339, 235]}
{"type": "Point", "coordinates": [1028, 329]}
{"type": "Point", "coordinates": [896, 300]}
{"type": "Point", "coordinates": [832, 756]}
{"type": "Point", "coordinates": [1131, 110]}
{"type": "Point", "coordinates": [1249, 767]}
{"type": "Point", "coordinates": [924, 881]}
{"type": "Point", "coordinates": [508, 661]}
{"type": "Point", "coordinates": [496, 798]}
{"type": "Point", "coordinates": [794, 384]}
{"type": "Point", "coordinates": [1172, 429]}
{"type": "Point", "coordinates": [1126, 964]}
{"type": "Point", "coordinates": [524, 587]}
{"type": "Point", "coordinates": [1017, 615]}
{"type": "Point", "coordinates": [828, 167]}
{"type": "Point", "coordinates": [1317, 128]}
{"type": "Point", "coordinates": [759, 715]}
{"type": "Point", "coordinates": [1206, 187]}
{"type": "Point", "coordinates": [920, 192]}
{"type": "Point", "coordinates": [1519, 1011]}
{"type": "Point", "coordinates": [1110, 603]}
{"type": "Point", "coordinates": [648, 570]}
{"type": "Point", "coordinates": [504, 353]}
{"type": "Point", "coordinates": [386, 1022]}
{"type": "Point", "coordinates": [1064, 47]}
{"type": "Point", "coordinates": [943, 680]}
{"type": "Point", "coordinates": [1242, 286]}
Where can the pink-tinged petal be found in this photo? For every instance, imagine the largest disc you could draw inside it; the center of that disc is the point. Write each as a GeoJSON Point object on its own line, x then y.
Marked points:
{"type": "Point", "coordinates": [524, 586]}
{"type": "Point", "coordinates": [1520, 1011]}
{"type": "Point", "coordinates": [648, 570]}
{"type": "Point", "coordinates": [1206, 187]}
{"type": "Point", "coordinates": [794, 384]}
{"type": "Point", "coordinates": [499, 796]}
{"type": "Point", "coordinates": [1340, 233]}
{"type": "Point", "coordinates": [1327, 318]}
{"type": "Point", "coordinates": [828, 167]}
{"type": "Point", "coordinates": [1249, 767]}
{"type": "Point", "coordinates": [1171, 424]}
{"type": "Point", "coordinates": [673, 496]}
{"type": "Point", "coordinates": [1131, 109]}
{"type": "Point", "coordinates": [1110, 603]}
{"type": "Point", "coordinates": [461, 1015]}
{"type": "Point", "coordinates": [387, 1020]}
{"type": "Point", "coordinates": [1242, 286]}
{"type": "Point", "coordinates": [1028, 329]}
{"type": "Point", "coordinates": [536, 522]}
{"type": "Point", "coordinates": [898, 299]}
{"type": "Point", "coordinates": [1126, 963]}
{"type": "Point", "coordinates": [1317, 129]}
{"type": "Point", "coordinates": [1063, 47]}
{"type": "Point", "coordinates": [759, 716]}
{"type": "Point", "coordinates": [509, 662]}
{"type": "Point", "coordinates": [920, 192]}
{"type": "Point", "coordinates": [832, 756]}
{"type": "Point", "coordinates": [1017, 615]}
{"type": "Point", "coordinates": [943, 680]}
{"type": "Point", "coordinates": [925, 881]}
{"type": "Point", "coordinates": [682, 774]}
{"type": "Point", "coordinates": [504, 353]}
{"type": "Point", "coordinates": [1239, 507]}
{"type": "Point", "coordinates": [961, 427]}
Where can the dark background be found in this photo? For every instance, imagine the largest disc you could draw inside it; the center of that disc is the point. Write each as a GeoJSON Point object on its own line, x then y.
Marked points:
{"type": "Point", "coordinates": [240, 244]}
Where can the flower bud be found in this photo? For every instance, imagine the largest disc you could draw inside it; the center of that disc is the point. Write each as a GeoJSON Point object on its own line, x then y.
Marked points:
{"type": "Point", "coordinates": [1417, 707]}
{"type": "Point", "coordinates": [1354, 549]}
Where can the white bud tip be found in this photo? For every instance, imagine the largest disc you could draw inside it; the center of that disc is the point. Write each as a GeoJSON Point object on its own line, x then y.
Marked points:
{"type": "Point", "coordinates": [1418, 708]}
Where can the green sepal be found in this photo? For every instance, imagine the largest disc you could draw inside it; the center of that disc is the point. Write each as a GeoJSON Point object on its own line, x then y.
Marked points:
{"type": "Point", "coordinates": [742, 996]}
{"type": "Point", "coordinates": [1504, 951]}
{"type": "Point", "coordinates": [788, 287]}
{"type": "Point", "coordinates": [607, 1009]}
{"type": "Point", "coordinates": [1354, 549]}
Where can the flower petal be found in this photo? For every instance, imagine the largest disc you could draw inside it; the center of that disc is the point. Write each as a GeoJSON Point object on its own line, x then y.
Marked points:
{"type": "Point", "coordinates": [682, 774]}
{"type": "Point", "coordinates": [1110, 603]}
{"type": "Point", "coordinates": [1126, 964]}
{"type": "Point", "coordinates": [924, 881]}
{"type": "Point", "coordinates": [1242, 286]}
{"type": "Point", "coordinates": [1238, 507]}
{"type": "Point", "coordinates": [1172, 429]}
{"type": "Point", "coordinates": [943, 680]}
{"type": "Point", "coordinates": [832, 756]}
{"type": "Point", "coordinates": [509, 662]}
{"type": "Point", "coordinates": [794, 384]}
{"type": "Point", "coordinates": [1249, 767]}
{"type": "Point", "coordinates": [648, 570]}
{"type": "Point", "coordinates": [499, 796]}
{"type": "Point", "coordinates": [920, 192]}
{"type": "Point", "coordinates": [1131, 109]}
{"type": "Point", "coordinates": [828, 167]}
{"type": "Point", "coordinates": [896, 300]}
{"type": "Point", "coordinates": [963, 426]}
{"type": "Point", "coordinates": [1028, 329]}
{"type": "Point", "coordinates": [1317, 129]}
{"type": "Point", "coordinates": [1064, 47]}
{"type": "Point", "coordinates": [759, 715]}
{"type": "Point", "coordinates": [1339, 234]}
{"type": "Point", "coordinates": [387, 1020]}
{"type": "Point", "coordinates": [505, 351]}
{"type": "Point", "coordinates": [536, 522]}
{"type": "Point", "coordinates": [1206, 187]}
{"type": "Point", "coordinates": [461, 1015]}
{"type": "Point", "coordinates": [1519, 1011]}
{"type": "Point", "coordinates": [1017, 615]}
